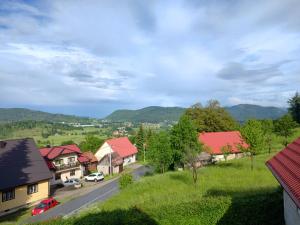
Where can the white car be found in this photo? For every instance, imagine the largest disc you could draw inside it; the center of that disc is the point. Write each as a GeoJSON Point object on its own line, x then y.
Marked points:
{"type": "Point", "coordinates": [94, 177]}
{"type": "Point", "coordinates": [71, 182]}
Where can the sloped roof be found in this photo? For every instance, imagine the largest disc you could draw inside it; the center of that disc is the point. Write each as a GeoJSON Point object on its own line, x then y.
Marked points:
{"type": "Point", "coordinates": [216, 140]}
{"type": "Point", "coordinates": [87, 157]}
{"type": "Point", "coordinates": [21, 163]}
{"type": "Point", "coordinates": [122, 146]}
{"type": "Point", "coordinates": [53, 152]}
{"type": "Point", "coordinates": [285, 166]}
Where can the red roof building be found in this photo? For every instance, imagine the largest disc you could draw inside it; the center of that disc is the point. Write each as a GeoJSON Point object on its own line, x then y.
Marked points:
{"type": "Point", "coordinates": [214, 141]}
{"type": "Point", "coordinates": [285, 166]}
{"type": "Point", "coordinates": [53, 152]}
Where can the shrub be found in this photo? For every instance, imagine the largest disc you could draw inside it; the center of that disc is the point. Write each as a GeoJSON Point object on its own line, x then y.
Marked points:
{"type": "Point", "coordinates": [125, 180]}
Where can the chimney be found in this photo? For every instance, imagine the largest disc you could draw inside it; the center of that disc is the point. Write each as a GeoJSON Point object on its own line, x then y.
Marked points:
{"type": "Point", "coordinates": [2, 144]}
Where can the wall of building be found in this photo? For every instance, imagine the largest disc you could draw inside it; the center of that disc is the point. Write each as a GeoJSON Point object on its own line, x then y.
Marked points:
{"type": "Point", "coordinates": [105, 169]}
{"type": "Point", "coordinates": [217, 158]}
{"type": "Point", "coordinates": [22, 198]}
{"type": "Point", "coordinates": [65, 158]}
{"type": "Point", "coordinates": [65, 174]}
{"type": "Point", "coordinates": [128, 160]}
{"type": "Point", "coordinates": [291, 211]}
{"type": "Point", "coordinates": [103, 150]}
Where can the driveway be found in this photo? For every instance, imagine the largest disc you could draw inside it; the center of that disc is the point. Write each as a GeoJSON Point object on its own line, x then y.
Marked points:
{"type": "Point", "coordinates": [98, 195]}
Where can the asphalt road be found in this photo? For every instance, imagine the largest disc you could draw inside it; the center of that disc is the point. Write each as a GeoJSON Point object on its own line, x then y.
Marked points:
{"type": "Point", "coordinates": [71, 207]}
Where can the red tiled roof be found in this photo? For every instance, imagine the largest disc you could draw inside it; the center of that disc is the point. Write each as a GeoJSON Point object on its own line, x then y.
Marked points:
{"type": "Point", "coordinates": [285, 166]}
{"type": "Point", "coordinates": [53, 152]}
{"type": "Point", "coordinates": [122, 146]}
{"type": "Point", "coordinates": [216, 140]}
{"type": "Point", "coordinates": [87, 157]}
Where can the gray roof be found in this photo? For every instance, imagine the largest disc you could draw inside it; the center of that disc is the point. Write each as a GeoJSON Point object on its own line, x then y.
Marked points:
{"type": "Point", "coordinates": [21, 163]}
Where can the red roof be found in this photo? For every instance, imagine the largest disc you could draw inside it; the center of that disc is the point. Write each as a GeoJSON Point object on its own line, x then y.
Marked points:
{"type": "Point", "coordinates": [53, 152]}
{"type": "Point", "coordinates": [122, 146]}
{"type": "Point", "coordinates": [285, 166]}
{"type": "Point", "coordinates": [87, 157]}
{"type": "Point", "coordinates": [216, 140]}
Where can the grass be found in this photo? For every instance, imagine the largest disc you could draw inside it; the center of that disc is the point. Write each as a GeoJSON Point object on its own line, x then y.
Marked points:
{"type": "Point", "coordinates": [226, 193]}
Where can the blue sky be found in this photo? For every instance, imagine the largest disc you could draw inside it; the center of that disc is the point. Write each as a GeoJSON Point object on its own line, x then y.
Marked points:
{"type": "Point", "coordinates": [92, 57]}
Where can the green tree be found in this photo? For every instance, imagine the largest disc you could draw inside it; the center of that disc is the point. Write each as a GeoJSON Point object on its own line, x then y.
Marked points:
{"type": "Point", "coordinates": [211, 118]}
{"type": "Point", "coordinates": [91, 143]}
{"type": "Point", "coordinates": [285, 127]}
{"type": "Point", "coordinates": [140, 142]}
{"type": "Point", "coordinates": [268, 130]}
{"type": "Point", "coordinates": [159, 151]}
{"type": "Point", "coordinates": [294, 107]}
{"type": "Point", "coordinates": [226, 150]}
{"type": "Point", "coordinates": [183, 135]}
{"type": "Point", "coordinates": [253, 134]}
{"type": "Point", "coordinates": [68, 142]}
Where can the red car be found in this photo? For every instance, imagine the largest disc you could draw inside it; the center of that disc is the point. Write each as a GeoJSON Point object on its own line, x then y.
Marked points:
{"type": "Point", "coordinates": [44, 206]}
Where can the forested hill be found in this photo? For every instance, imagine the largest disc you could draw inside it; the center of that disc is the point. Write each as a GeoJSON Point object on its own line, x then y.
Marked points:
{"type": "Point", "coordinates": [152, 114]}
{"type": "Point", "coordinates": [155, 114]}
{"type": "Point", "coordinates": [21, 114]}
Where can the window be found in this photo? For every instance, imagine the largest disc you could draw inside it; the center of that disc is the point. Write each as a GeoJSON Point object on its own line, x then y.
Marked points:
{"type": "Point", "coordinates": [57, 176]}
{"type": "Point", "coordinates": [59, 162]}
{"type": "Point", "coordinates": [33, 188]}
{"type": "Point", "coordinates": [8, 195]}
{"type": "Point", "coordinates": [72, 173]}
{"type": "Point", "coordinates": [71, 159]}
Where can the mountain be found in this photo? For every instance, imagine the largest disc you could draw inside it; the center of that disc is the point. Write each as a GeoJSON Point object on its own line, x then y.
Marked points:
{"type": "Point", "coordinates": [243, 112]}
{"type": "Point", "coordinates": [152, 114]}
{"type": "Point", "coordinates": [21, 114]}
{"type": "Point", "coordinates": [156, 114]}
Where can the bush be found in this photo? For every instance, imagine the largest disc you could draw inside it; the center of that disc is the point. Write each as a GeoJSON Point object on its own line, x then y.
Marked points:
{"type": "Point", "coordinates": [125, 180]}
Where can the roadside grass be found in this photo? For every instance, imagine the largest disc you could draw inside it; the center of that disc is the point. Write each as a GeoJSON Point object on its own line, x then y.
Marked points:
{"type": "Point", "coordinates": [16, 217]}
{"type": "Point", "coordinates": [226, 193]}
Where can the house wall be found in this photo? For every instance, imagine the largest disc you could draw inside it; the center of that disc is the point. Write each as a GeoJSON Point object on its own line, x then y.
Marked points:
{"type": "Point", "coordinates": [105, 169]}
{"type": "Point", "coordinates": [128, 160]}
{"type": "Point", "coordinates": [291, 211]}
{"type": "Point", "coordinates": [65, 174]}
{"type": "Point", "coordinates": [217, 158]}
{"type": "Point", "coordinates": [22, 198]}
{"type": "Point", "coordinates": [65, 158]}
{"type": "Point", "coordinates": [103, 150]}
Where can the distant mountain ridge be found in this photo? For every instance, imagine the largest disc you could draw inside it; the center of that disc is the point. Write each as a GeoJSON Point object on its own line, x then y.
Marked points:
{"type": "Point", "coordinates": [22, 114]}
{"type": "Point", "coordinates": [155, 114]}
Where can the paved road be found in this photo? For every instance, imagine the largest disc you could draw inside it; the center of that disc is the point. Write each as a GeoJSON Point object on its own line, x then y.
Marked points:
{"type": "Point", "coordinates": [98, 195]}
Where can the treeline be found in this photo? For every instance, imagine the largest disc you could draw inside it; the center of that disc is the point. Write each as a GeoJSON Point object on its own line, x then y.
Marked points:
{"type": "Point", "coordinates": [179, 146]}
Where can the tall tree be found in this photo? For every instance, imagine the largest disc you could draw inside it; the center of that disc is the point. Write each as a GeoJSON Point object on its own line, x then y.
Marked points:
{"type": "Point", "coordinates": [253, 134]}
{"type": "Point", "coordinates": [211, 118]}
{"type": "Point", "coordinates": [183, 135]}
{"type": "Point", "coordinates": [159, 151]}
{"type": "Point", "coordinates": [91, 143]}
{"type": "Point", "coordinates": [140, 142]}
{"type": "Point", "coordinates": [294, 108]}
{"type": "Point", "coordinates": [285, 127]}
{"type": "Point", "coordinates": [268, 130]}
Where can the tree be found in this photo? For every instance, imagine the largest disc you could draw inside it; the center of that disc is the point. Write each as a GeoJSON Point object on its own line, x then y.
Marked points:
{"type": "Point", "coordinates": [268, 129]}
{"type": "Point", "coordinates": [160, 153]}
{"type": "Point", "coordinates": [294, 108]}
{"type": "Point", "coordinates": [91, 143]}
{"type": "Point", "coordinates": [285, 127]}
{"type": "Point", "coordinates": [226, 150]}
{"type": "Point", "coordinates": [68, 142]}
{"type": "Point", "coordinates": [253, 134]}
{"type": "Point", "coordinates": [183, 135]}
{"type": "Point", "coordinates": [140, 141]}
{"type": "Point", "coordinates": [211, 118]}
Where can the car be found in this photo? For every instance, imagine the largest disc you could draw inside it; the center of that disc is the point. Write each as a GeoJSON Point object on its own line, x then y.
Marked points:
{"type": "Point", "coordinates": [94, 177]}
{"type": "Point", "coordinates": [44, 206]}
{"type": "Point", "coordinates": [71, 182]}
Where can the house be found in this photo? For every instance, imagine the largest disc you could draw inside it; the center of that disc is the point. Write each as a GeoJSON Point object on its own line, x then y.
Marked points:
{"type": "Point", "coordinates": [122, 146]}
{"type": "Point", "coordinates": [89, 161]}
{"type": "Point", "coordinates": [65, 162]}
{"type": "Point", "coordinates": [285, 166]}
{"type": "Point", "coordinates": [116, 162]}
{"type": "Point", "coordinates": [215, 141]}
{"type": "Point", "coordinates": [24, 176]}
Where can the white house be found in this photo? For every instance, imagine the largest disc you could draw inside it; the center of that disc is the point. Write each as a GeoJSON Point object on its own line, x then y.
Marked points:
{"type": "Point", "coordinates": [285, 166]}
{"type": "Point", "coordinates": [122, 146]}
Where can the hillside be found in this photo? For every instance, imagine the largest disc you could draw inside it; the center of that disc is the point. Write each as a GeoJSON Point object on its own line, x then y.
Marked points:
{"type": "Point", "coordinates": [152, 114]}
{"type": "Point", "coordinates": [155, 114]}
{"type": "Point", "coordinates": [21, 114]}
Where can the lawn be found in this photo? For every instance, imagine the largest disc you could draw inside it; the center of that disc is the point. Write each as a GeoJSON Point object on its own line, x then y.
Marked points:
{"type": "Point", "coordinates": [226, 193]}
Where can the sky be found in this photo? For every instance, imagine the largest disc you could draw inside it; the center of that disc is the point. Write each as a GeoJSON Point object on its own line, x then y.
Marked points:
{"type": "Point", "coordinates": [92, 57]}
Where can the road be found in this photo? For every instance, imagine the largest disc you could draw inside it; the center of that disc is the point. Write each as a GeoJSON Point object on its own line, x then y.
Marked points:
{"type": "Point", "coordinates": [98, 195]}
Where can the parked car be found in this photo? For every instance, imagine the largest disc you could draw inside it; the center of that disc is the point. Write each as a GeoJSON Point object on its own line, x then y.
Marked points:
{"type": "Point", "coordinates": [44, 206]}
{"type": "Point", "coordinates": [71, 182]}
{"type": "Point", "coordinates": [94, 177]}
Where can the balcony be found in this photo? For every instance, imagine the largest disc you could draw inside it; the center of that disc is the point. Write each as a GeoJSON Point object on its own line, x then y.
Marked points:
{"type": "Point", "coordinates": [70, 165]}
